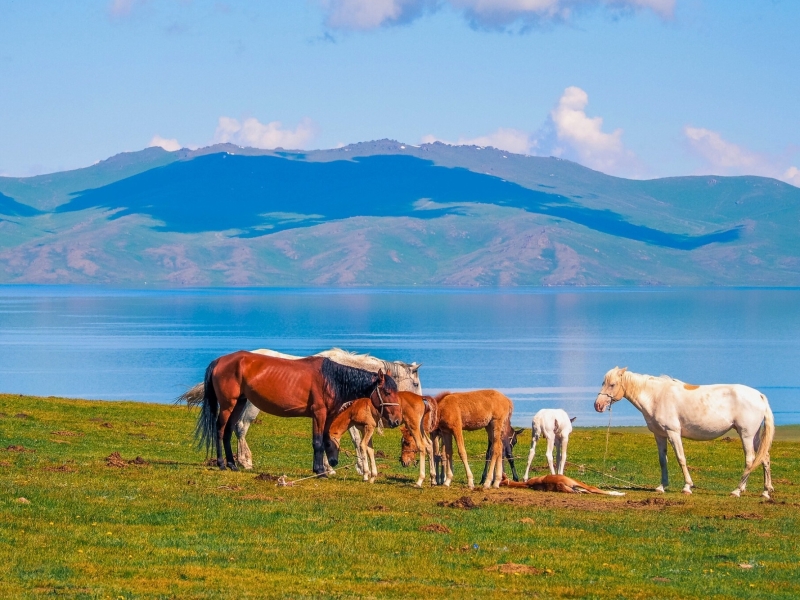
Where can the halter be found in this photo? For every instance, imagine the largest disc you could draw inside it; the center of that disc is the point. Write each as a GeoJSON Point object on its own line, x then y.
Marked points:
{"type": "Point", "coordinates": [382, 403]}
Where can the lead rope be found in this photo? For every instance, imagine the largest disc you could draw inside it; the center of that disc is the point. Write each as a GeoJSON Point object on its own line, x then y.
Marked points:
{"type": "Point", "coordinates": [608, 434]}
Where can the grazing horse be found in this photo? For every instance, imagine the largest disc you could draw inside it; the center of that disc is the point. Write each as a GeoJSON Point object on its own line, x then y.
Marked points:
{"type": "Point", "coordinates": [673, 409]}
{"type": "Point", "coordinates": [405, 375]}
{"type": "Point", "coordinates": [410, 446]}
{"type": "Point", "coordinates": [310, 387]}
{"type": "Point", "coordinates": [558, 483]}
{"type": "Point", "coordinates": [555, 425]}
{"type": "Point", "coordinates": [362, 415]}
{"type": "Point", "coordinates": [482, 409]}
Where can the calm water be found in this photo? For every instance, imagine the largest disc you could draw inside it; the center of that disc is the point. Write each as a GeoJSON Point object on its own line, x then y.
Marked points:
{"type": "Point", "coordinates": [542, 348]}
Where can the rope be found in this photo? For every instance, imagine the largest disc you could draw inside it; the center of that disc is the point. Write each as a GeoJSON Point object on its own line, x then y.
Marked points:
{"type": "Point", "coordinates": [284, 482]}
{"type": "Point", "coordinates": [629, 485]}
{"type": "Point", "coordinates": [608, 433]}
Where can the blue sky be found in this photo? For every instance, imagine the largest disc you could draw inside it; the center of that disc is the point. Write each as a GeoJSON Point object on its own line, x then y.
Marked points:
{"type": "Point", "coordinates": [640, 88]}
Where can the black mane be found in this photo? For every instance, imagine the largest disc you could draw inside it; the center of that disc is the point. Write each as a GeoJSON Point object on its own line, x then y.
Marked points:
{"type": "Point", "coordinates": [348, 383]}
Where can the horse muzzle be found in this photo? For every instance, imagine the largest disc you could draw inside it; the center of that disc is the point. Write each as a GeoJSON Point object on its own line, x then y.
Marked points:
{"type": "Point", "coordinates": [602, 403]}
{"type": "Point", "coordinates": [393, 423]}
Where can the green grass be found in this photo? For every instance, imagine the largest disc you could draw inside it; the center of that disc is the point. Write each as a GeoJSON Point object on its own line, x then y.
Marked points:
{"type": "Point", "coordinates": [177, 528]}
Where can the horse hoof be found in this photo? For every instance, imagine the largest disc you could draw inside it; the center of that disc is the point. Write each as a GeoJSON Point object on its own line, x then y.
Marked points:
{"type": "Point", "coordinates": [233, 467]}
{"type": "Point", "coordinates": [736, 493]}
{"type": "Point", "coordinates": [765, 495]}
{"type": "Point", "coordinates": [687, 491]}
{"type": "Point", "coordinates": [222, 467]}
{"type": "Point", "coordinates": [660, 489]}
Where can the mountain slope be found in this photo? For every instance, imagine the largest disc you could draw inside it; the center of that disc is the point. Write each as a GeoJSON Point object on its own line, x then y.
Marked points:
{"type": "Point", "coordinates": [385, 213]}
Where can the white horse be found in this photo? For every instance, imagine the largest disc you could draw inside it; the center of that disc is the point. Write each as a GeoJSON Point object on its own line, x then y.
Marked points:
{"type": "Point", "coordinates": [406, 376]}
{"type": "Point", "coordinates": [555, 425]}
{"type": "Point", "coordinates": [674, 409]}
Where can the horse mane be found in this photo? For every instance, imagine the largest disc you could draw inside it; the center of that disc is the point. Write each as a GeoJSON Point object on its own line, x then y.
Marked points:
{"type": "Point", "coordinates": [349, 383]}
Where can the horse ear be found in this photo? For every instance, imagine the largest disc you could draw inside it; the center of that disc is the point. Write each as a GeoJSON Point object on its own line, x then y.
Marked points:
{"type": "Point", "coordinates": [572, 420]}
{"type": "Point", "coordinates": [518, 431]}
{"type": "Point", "coordinates": [622, 370]}
{"type": "Point", "coordinates": [415, 367]}
{"type": "Point", "coordinates": [380, 376]}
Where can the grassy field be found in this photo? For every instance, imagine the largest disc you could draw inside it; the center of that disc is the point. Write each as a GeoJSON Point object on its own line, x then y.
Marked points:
{"type": "Point", "coordinates": [174, 527]}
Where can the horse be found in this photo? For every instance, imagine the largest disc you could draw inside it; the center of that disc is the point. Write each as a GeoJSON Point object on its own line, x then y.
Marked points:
{"type": "Point", "coordinates": [362, 415]}
{"type": "Point", "coordinates": [409, 446]}
{"type": "Point", "coordinates": [309, 387]}
{"type": "Point", "coordinates": [555, 425]}
{"type": "Point", "coordinates": [405, 375]}
{"type": "Point", "coordinates": [673, 409]}
{"type": "Point", "coordinates": [470, 411]}
{"type": "Point", "coordinates": [558, 483]}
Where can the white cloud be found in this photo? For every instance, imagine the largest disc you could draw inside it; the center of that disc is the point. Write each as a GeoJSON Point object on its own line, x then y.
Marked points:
{"type": "Point", "coordinates": [170, 145]}
{"type": "Point", "coordinates": [727, 158]}
{"type": "Point", "coordinates": [488, 14]}
{"type": "Point", "coordinates": [251, 132]}
{"type": "Point", "coordinates": [510, 140]}
{"type": "Point", "coordinates": [583, 137]}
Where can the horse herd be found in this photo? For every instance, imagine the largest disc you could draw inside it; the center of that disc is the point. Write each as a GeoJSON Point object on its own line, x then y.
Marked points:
{"type": "Point", "coordinates": [343, 391]}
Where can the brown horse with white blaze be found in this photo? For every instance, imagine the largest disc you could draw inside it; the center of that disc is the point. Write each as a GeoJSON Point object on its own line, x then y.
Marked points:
{"type": "Point", "coordinates": [312, 387]}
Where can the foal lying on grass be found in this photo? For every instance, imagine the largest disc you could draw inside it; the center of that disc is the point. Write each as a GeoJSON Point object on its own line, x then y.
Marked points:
{"type": "Point", "coordinates": [558, 483]}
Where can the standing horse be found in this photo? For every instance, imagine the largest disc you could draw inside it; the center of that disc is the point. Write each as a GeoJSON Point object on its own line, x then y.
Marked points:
{"type": "Point", "coordinates": [363, 416]}
{"type": "Point", "coordinates": [674, 409]}
{"type": "Point", "coordinates": [310, 387]}
{"type": "Point", "coordinates": [405, 375]}
{"type": "Point", "coordinates": [482, 409]}
{"type": "Point", "coordinates": [555, 425]}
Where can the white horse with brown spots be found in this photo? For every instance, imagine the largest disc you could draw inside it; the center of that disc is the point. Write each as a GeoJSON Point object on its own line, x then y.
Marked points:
{"type": "Point", "coordinates": [673, 410]}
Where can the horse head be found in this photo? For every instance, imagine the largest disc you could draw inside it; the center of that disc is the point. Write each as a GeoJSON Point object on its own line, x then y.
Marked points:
{"type": "Point", "coordinates": [612, 389]}
{"type": "Point", "coordinates": [385, 399]}
{"type": "Point", "coordinates": [408, 447]}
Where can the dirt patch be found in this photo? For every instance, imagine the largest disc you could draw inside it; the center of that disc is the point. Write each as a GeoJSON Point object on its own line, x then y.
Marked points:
{"type": "Point", "coordinates": [66, 433]}
{"type": "Point", "coordinates": [558, 501]}
{"type": "Point", "coordinates": [743, 517]}
{"type": "Point", "coordinates": [516, 569]}
{"type": "Point", "coordinates": [380, 508]}
{"type": "Point", "coordinates": [230, 488]}
{"type": "Point", "coordinates": [60, 469]}
{"type": "Point", "coordinates": [23, 501]}
{"type": "Point", "coordinates": [662, 579]}
{"type": "Point", "coordinates": [142, 436]}
{"type": "Point", "coordinates": [782, 481]}
{"type": "Point", "coordinates": [107, 425]}
{"type": "Point", "coordinates": [96, 419]}
{"type": "Point", "coordinates": [138, 461]}
{"type": "Point", "coordinates": [464, 502]}
{"type": "Point", "coordinates": [144, 424]}
{"type": "Point", "coordinates": [265, 476]}
{"type": "Point", "coordinates": [115, 460]}
{"type": "Point", "coordinates": [380, 454]}
{"type": "Point", "coordinates": [653, 502]}
{"type": "Point", "coordinates": [22, 416]}
{"type": "Point", "coordinates": [435, 528]}
{"type": "Point", "coordinates": [18, 448]}
{"type": "Point", "coordinates": [4, 463]}
{"type": "Point", "coordinates": [527, 521]}
{"type": "Point", "coordinates": [261, 498]}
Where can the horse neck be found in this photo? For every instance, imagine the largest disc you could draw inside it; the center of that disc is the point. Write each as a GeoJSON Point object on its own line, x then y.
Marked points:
{"type": "Point", "coordinates": [341, 422]}
{"type": "Point", "coordinates": [638, 390]}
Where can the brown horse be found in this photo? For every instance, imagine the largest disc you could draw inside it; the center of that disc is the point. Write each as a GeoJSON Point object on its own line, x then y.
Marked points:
{"type": "Point", "coordinates": [310, 387]}
{"type": "Point", "coordinates": [430, 428]}
{"type": "Point", "coordinates": [362, 415]}
{"type": "Point", "coordinates": [558, 483]}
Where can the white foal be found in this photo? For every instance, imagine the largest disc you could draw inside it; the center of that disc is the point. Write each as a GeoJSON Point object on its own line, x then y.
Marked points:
{"type": "Point", "coordinates": [673, 409]}
{"type": "Point", "coordinates": [555, 425]}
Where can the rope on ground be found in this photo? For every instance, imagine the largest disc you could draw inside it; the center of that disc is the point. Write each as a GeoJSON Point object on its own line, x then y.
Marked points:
{"type": "Point", "coordinates": [284, 481]}
{"type": "Point", "coordinates": [629, 485]}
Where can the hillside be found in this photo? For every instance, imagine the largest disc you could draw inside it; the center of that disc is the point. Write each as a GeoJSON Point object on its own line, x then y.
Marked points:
{"type": "Point", "coordinates": [384, 213]}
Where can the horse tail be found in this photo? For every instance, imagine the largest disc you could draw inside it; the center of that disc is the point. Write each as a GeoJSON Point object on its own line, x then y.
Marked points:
{"type": "Point", "coordinates": [192, 397]}
{"type": "Point", "coordinates": [205, 433]}
{"type": "Point", "coordinates": [766, 440]}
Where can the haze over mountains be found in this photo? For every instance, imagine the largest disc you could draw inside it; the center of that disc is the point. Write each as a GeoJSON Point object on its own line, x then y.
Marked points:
{"type": "Point", "coordinates": [385, 213]}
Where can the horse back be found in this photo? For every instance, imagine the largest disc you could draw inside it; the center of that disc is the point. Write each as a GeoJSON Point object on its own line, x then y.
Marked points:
{"type": "Point", "coordinates": [476, 409]}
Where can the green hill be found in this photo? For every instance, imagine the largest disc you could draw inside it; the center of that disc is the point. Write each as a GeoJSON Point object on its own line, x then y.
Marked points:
{"type": "Point", "coordinates": [385, 213]}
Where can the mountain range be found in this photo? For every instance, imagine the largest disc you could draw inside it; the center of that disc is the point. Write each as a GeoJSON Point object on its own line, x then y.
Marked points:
{"type": "Point", "coordinates": [385, 213]}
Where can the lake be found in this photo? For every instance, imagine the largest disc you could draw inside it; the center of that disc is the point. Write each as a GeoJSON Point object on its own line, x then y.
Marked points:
{"type": "Point", "coordinates": [543, 348]}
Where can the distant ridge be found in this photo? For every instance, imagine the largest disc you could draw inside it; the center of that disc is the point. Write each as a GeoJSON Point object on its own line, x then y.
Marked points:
{"type": "Point", "coordinates": [384, 212]}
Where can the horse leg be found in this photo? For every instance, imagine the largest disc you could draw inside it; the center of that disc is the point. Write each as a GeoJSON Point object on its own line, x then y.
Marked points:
{"type": "Point", "coordinates": [749, 456]}
{"type": "Point", "coordinates": [317, 441]}
{"type": "Point", "coordinates": [447, 458]}
{"type": "Point", "coordinates": [462, 452]}
{"type": "Point", "coordinates": [551, 440]}
{"type": "Point", "coordinates": [508, 450]}
{"type": "Point", "coordinates": [244, 456]}
{"type": "Point", "coordinates": [677, 445]}
{"type": "Point", "coordinates": [531, 454]}
{"type": "Point", "coordinates": [364, 438]}
{"type": "Point", "coordinates": [562, 454]}
{"type": "Point", "coordinates": [361, 466]}
{"type": "Point", "coordinates": [768, 489]}
{"type": "Point", "coordinates": [232, 420]}
{"type": "Point", "coordinates": [486, 463]}
{"type": "Point", "coordinates": [496, 465]}
{"type": "Point", "coordinates": [661, 442]}
{"type": "Point", "coordinates": [419, 439]}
